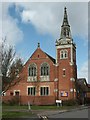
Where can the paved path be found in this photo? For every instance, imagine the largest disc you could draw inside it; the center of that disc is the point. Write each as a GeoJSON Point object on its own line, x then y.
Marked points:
{"type": "Point", "coordinates": [71, 114]}
{"type": "Point", "coordinates": [55, 112]}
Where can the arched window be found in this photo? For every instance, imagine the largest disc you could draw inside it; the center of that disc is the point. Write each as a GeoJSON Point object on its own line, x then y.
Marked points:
{"type": "Point", "coordinates": [63, 54]}
{"type": "Point", "coordinates": [32, 70]}
{"type": "Point", "coordinates": [44, 69]}
{"type": "Point", "coordinates": [64, 32]}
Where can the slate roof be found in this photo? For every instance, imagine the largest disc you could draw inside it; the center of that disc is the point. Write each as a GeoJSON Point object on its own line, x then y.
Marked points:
{"type": "Point", "coordinates": [51, 58]}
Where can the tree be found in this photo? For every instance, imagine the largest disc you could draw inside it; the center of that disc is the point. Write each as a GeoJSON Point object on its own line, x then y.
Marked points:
{"type": "Point", "coordinates": [15, 68]}
{"type": "Point", "coordinates": [11, 66]}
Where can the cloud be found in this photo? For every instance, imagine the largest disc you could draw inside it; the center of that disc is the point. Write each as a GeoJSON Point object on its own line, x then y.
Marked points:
{"type": "Point", "coordinates": [83, 71]}
{"type": "Point", "coordinates": [10, 29]}
{"type": "Point", "coordinates": [47, 17]}
{"type": "Point", "coordinates": [27, 16]}
{"type": "Point", "coordinates": [9, 26]}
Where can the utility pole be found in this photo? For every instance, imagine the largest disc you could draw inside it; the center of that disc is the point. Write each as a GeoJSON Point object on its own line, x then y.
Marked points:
{"type": "Point", "coordinates": [0, 82]}
{"type": "Point", "coordinates": [0, 69]}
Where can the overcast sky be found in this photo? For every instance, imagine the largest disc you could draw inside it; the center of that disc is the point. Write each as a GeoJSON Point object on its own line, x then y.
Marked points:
{"type": "Point", "coordinates": [26, 23]}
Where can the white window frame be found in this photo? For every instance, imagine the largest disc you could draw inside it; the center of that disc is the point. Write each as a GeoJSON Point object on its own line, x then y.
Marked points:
{"type": "Point", "coordinates": [65, 72]}
{"type": "Point", "coordinates": [16, 91]}
{"type": "Point", "coordinates": [31, 87]}
{"type": "Point", "coordinates": [63, 52]}
{"type": "Point", "coordinates": [43, 87]}
{"type": "Point", "coordinates": [45, 70]}
{"type": "Point", "coordinates": [34, 65]}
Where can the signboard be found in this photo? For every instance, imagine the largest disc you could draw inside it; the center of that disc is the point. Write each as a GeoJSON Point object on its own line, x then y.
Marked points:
{"type": "Point", "coordinates": [58, 101]}
{"type": "Point", "coordinates": [64, 94]}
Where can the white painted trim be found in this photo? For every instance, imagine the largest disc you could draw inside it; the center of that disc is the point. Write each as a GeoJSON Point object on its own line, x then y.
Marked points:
{"type": "Point", "coordinates": [64, 50]}
{"type": "Point", "coordinates": [64, 69]}
{"type": "Point", "coordinates": [65, 72]}
{"type": "Point", "coordinates": [56, 55]}
{"type": "Point", "coordinates": [30, 87]}
{"type": "Point", "coordinates": [44, 86]}
{"type": "Point", "coordinates": [33, 79]}
{"type": "Point", "coordinates": [56, 64]}
{"type": "Point", "coordinates": [17, 91]}
{"type": "Point", "coordinates": [72, 79]}
{"type": "Point", "coordinates": [55, 90]}
{"type": "Point", "coordinates": [63, 46]}
{"type": "Point", "coordinates": [74, 90]}
{"type": "Point", "coordinates": [56, 79]}
{"type": "Point", "coordinates": [71, 63]}
{"type": "Point", "coordinates": [71, 53]}
{"type": "Point", "coordinates": [42, 65]}
{"type": "Point", "coordinates": [71, 90]}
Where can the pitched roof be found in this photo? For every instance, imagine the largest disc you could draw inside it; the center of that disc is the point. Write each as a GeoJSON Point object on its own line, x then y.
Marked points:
{"type": "Point", "coordinates": [51, 58]}
{"type": "Point", "coordinates": [83, 84]}
{"type": "Point", "coordinates": [82, 81]}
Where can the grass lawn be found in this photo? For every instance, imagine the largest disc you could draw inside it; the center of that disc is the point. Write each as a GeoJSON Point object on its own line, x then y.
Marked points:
{"type": "Point", "coordinates": [25, 107]}
{"type": "Point", "coordinates": [16, 114]}
{"type": "Point", "coordinates": [34, 107]}
{"type": "Point", "coordinates": [18, 111]}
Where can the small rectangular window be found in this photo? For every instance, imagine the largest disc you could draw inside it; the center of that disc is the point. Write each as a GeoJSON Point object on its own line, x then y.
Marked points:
{"type": "Point", "coordinates": [44, 91]}
{"type": "Point", "coordinates": [16, 93]}
{"type": "Point", "coordinates": [31, 91]}
{"type": "Point", "coordinates": [64, 72]}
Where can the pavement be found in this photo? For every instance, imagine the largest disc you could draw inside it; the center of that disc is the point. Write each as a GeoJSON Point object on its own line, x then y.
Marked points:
{"type": "Point", "coordinates": [53, 112]}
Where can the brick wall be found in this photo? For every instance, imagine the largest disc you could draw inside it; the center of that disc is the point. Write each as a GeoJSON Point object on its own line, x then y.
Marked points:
{"type": "Point", "coordinates": [33, 100]}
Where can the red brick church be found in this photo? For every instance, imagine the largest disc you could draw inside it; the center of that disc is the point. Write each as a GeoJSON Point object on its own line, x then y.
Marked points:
{"type": "Point", "coordinates": [44, 79]}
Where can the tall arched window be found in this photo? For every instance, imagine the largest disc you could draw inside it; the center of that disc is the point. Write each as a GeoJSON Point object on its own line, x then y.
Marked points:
{"type": "Point", "coordinates": [32, 70]}
{"type": "Point", "coordinates": [44, 69]}
{"type": "Point", "coordinates": [63, 54]}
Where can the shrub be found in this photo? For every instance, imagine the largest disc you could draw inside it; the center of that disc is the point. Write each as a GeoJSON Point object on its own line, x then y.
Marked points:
{"type": "Point", "coordinates": [87, 101]}
{"type": "Point", "coordinates": [70, 102]}
{"type": "Point", "coordinates": [14, 101]}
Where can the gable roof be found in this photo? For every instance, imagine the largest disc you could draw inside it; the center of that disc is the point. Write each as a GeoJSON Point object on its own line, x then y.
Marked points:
{"type": "Point", "coordinates": [50, 57]}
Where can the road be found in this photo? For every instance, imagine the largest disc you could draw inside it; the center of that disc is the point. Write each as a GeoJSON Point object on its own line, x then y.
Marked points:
{"type": "Point", "coordinates": [71, 114]}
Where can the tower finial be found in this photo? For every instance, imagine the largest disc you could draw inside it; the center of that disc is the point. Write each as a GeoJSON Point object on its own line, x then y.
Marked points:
{"type": "Point", "coordinates": [65, 9]}
{"type": "Point", "coordinates": [65, 19]}
{"type": "Point", "coordinates": [65, 28]}
{"type": "Point", "coordinates": [38, 45]}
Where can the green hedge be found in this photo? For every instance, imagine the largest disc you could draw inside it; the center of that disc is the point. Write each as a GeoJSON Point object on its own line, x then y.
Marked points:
{"type": "Point", "coordinates": [70, 102]}
{"type": "Point", "coordinates": [87, 101]}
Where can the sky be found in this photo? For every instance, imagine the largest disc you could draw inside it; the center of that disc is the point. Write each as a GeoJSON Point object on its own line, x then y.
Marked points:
{"type": "Point", "coordinates": [24, 24]}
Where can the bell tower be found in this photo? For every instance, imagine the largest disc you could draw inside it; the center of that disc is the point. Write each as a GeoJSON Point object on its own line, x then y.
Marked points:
{"type": "Point", "coordinates": [66, 62]}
